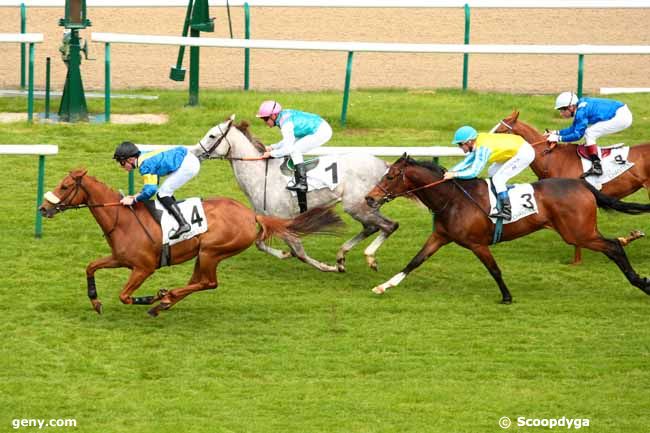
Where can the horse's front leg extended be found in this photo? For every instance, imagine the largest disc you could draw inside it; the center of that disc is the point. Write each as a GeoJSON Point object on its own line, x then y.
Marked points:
{"type": "Point", "coordinates": [299, 251]}
{"type": "Point", "coordinates": [485, 256]}
{"type": "Point", "coordinates": [103, 263]}
{"type": "Point", "coordinates": [433, 244]}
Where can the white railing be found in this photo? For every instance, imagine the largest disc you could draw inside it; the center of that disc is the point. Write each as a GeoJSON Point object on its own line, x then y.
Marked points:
{"type": "Point", "coordinates": [31, 39]}
{"type": "Point", "coordinates": [432, 151]}
{"type": "Point", "coordinates": [550, 4]}
{"type": "Point", "coordinates": [351, 47]}
{"type": "Point", "coordinates": [33, 149]}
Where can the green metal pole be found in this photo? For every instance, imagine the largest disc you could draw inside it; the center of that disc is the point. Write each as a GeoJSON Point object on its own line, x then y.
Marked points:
{"type": "Point", "coordinates": [48, 68]}
{"type": "Point", "coordinates": [247, 51]}
{"type": "Point", "coordinates": [23, 29]}
{"type": "Point", "coordinates": [466, 55]}
{"type": "Point", "coordinates": [177, 72]}
{"type": "Point", "coordinates": [194, 71]}
{"type": "Point", "coordinates": [39, 195]}
{"type": "Point", "coordinates": [107, 82]}
{"type": "Point", "coordinates": [30, 90]}
{"type": "Point", "coordinates": [131, 183]}
{"type": "Point", "coordinates": [581, 59]}
{"type": "Point", "coordinates": [346, 91]}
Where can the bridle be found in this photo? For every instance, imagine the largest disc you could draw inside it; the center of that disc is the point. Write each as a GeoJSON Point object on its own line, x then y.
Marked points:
{"type": "Point", "coordinates": [545, 152]}
{"type": "Point", "coordinates": [206, 152]}
{"type": "Point", "coordinates": [390, 196]}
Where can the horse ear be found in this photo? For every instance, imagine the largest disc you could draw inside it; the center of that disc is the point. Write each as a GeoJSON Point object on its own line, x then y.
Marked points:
{"type": "Point", "coordinates": [515, 115]}
{"type": "Point", "coordinates": [232, 117]}
{"type": "Point", "coordinates": [79, 172]}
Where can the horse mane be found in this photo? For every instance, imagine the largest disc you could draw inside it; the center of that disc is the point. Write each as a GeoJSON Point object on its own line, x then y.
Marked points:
{"type": "Point", "coordinates": [429, 165]}
{"type": "Point", "coordinates": [244, 128]}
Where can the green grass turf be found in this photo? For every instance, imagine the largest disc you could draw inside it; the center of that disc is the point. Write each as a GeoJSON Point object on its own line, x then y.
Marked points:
{"type": "Point", "coordinates": [280, 347]}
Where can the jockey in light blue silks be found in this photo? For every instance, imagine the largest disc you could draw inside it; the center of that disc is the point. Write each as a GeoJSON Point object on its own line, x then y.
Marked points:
{"type": "Point", "coordinates": [593, 118]}
{"type": "Point", "coordinates": [178, 163]}
{"type": "Point", "coordinates": [301, 132]}
{"type": "Point", "coordinates": [509, 155]}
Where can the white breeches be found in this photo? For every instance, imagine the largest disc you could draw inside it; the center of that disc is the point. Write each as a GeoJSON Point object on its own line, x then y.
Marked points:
{"type": "Point", "coordinates": [309, 142]}
{"type": "Point", "coordinates": [620, 121]}
{"type": "Point", "coordinates": [502, 172]}
{"type": "Point", "coordinates": [188, 169]}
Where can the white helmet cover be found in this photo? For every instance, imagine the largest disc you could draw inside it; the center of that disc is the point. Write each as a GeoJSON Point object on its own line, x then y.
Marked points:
{"type": "Point", "coordinates": [565, 99]}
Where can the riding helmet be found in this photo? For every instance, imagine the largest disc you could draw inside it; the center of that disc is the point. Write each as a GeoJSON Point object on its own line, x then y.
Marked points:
{"type": "Point", "coordinates": [126, 150]}
{"type": "Point", "coordinates": [464, 134]}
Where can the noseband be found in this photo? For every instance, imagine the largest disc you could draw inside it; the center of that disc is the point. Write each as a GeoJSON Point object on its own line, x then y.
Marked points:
{"type": "Point", "coordinates": [390, 196]}
{"type": "Point", "coordinates": [206, 152]}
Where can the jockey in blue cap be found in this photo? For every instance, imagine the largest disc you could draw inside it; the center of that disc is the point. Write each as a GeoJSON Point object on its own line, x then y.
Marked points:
{"type": "Point", "coordinates": [509, 155]}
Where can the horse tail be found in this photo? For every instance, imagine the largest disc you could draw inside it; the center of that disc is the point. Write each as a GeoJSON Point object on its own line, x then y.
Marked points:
{"type": "Point", "coordinates": [319, 220]}
{"type": "Point", "coordinates": [610, 203]}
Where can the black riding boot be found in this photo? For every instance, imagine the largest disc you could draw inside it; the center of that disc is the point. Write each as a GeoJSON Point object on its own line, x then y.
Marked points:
{"type": "Point", "coordinates": [172, 207]}
{"type": "Point", "coordinates": [300, 174]}
{"type": "Point", "coordinates": [596, 169]}
{"type": "Point", "coordinates": [300, 187]}
{"type": "Point", "coordinates": [506, 209]}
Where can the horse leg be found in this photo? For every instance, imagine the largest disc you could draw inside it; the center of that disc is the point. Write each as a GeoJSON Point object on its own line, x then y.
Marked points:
{"type": "Point", "coordinates": [137, 277]}
{"type": "Point", "coordinates": [433, 244]}
{"type": "Point", "coordinates": [634, 235]}
{"type": "Point", "coordinates": [577, 256]}
{"type": "Point", "coordinates": [299, 251]}
{"type": "Point", "coordinates": [103, 263]}
{"type": "Point", "coordinates": [203, 278]}
{"type": "Point", "coordinates": [372, 221]}
{"type": "Point", "coordinates": [485, 256]}
{"type": "Point", "coordinates": [614, 250]}
{"type": "Point", "coordinates": [351, 243]}
{"type": "Point", "coordinates": [261, 245]}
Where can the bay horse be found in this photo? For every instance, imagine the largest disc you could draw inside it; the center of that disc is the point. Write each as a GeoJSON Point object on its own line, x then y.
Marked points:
{"type": "Point", "coordinates": [135, 238]}
{"type": "Point", "coordinates": [563, 161]}
{"type": "Point", "coordinates": [265, 186]}
{"type": "Point", "coordinates": [461, 209]}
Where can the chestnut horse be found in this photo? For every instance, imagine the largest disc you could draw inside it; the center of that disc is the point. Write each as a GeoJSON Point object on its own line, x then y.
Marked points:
{"type": "Point", "coordinates": [563, 161]}
{"type": "Point", "coordinates": [135, 237]}
{"type": "Point", "coordinates": [461, 215]}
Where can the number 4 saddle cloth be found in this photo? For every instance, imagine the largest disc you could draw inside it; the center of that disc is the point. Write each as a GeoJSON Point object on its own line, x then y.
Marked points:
{"type": "Point", "coordinates": [192, 210]}
{"type": "Point", "coordinates": [522, 200]}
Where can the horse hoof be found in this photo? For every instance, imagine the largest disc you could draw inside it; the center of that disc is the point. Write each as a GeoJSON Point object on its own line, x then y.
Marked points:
{"type": "Point", "coordinates": [372, 263]}
{"type": "Point", "coordinates": [506, 301]}
{"type": "Point", "coordinates": [153, 312]}
{"type": "Point", "coordinates": [97, 306]}
{"type": "Point", "coordinates": [340, 267]}
{"type": "Point", "coordinates": [379, 290]}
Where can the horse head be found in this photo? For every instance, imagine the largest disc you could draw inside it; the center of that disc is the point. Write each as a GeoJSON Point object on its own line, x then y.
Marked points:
{"type": "Point", "coordinates": [69, 193]}
{"type": "Point", "coordinates": [391, 185]}
{"type": "Point", "coordinates": [214, 144]}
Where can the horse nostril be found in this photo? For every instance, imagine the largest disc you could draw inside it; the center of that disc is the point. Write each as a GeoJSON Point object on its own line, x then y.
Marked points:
{"type": "Point", "coordinates": [370, 201]}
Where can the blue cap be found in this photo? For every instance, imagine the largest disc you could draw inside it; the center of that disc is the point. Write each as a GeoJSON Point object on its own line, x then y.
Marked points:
{"type": "Point", "coordinates": [463, 134]}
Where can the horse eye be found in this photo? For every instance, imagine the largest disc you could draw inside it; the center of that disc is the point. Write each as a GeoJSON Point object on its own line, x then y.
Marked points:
{"type": "Point", "coordinates": [212, 136]}
{"type": "Point", "coordinates": [64, 187]}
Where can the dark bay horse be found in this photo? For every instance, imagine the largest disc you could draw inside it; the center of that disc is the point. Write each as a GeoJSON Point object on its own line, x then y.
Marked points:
{"type": "Point", "coordinates": [135, 237]}
{"type": "Point", "coordinates": [461, 208]}
{"type": "Point", "coordinates": [563, 161]}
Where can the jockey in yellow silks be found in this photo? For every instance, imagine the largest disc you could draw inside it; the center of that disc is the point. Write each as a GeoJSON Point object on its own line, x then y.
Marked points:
{"type": "Point", "coordinates": [509, 155]}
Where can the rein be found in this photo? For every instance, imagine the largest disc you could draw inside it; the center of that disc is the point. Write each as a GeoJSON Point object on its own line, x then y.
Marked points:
{"type": "Point", "coordinates": [207, 152]}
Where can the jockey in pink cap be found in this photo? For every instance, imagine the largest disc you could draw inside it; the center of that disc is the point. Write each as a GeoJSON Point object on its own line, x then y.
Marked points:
{"type": "Point", "coordinates": [301, 132]}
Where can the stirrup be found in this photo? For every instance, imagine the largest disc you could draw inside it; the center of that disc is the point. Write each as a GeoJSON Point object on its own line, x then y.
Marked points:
{"type": "Point", "coordinates": [591, 172]}
{"type": "Point", "coordinates": [502, 214]}
{"type": "Point", "coordinates": [298, 187]}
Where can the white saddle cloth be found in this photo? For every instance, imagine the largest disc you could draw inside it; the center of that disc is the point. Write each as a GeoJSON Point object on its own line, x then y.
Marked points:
{"type": "Point", "coordinates": [325, 175]}
{"type": "Point", "coordinates": [614, 165]}
{"type": "Point", "coordinates": [522, 200]}
{"type": "Point", "coordinates": [192, 210]}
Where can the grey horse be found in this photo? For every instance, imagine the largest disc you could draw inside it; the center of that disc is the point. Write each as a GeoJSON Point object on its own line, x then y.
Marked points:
{"type": "Point", "coordinates": [265, 186]}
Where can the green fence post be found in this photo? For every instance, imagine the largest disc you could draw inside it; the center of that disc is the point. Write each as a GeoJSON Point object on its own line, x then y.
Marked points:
{"type": "Point", "coordinates": [247, 51]}
{"type": "Point", "coordinates": [346, 90]}
{"type": "Point", "coordinates": [581, 58]}
{"type": "Point", "coordinates": [23, 29]}
{"type": "Point", "coordinates": [30, 89]}
{"type": "Point", "coordinates": [466, 55]}
{"type": "Point", "coordinates": [48, 68]}
{"type": "Point", "coordinates": [39, 196]}
{"type": "Point", "coordinates": [107, 82]}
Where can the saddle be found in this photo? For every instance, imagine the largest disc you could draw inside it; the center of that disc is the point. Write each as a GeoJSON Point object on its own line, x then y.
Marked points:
{"type": "Point", "coordinates": [287, 165]}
